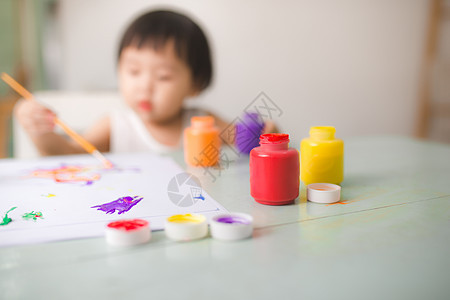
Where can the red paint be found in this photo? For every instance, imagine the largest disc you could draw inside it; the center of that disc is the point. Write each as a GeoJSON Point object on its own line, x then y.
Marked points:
{"type": "Point", "coordinates": [128, 225]}
{"type": "Point", "coordinates": [274, 170]}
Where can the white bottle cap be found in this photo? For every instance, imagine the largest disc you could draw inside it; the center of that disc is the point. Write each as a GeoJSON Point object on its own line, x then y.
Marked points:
{"type": "Point", "coordinates": [323, 192]}
{"type": "Point", "coordinates": [128, 232]}
{"type": "Point", "coordinates": [186, 227]}
{"type": "Point", "coordinates": [234, 226]}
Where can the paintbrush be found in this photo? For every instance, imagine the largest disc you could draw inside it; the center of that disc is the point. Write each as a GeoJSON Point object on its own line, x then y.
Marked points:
{"type": "Point", "coordinates": [75, 136]}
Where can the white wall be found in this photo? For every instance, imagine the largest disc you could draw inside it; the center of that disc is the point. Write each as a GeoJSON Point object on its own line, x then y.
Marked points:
{"type": "Point", "coordinates": [353, 64]}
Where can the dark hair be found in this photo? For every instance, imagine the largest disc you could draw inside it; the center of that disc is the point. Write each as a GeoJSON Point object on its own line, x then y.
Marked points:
{"type": "Point", "coordinates": [155, 28]}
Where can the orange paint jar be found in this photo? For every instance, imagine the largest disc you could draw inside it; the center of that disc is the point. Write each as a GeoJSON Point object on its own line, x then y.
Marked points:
{"type": "Point", "coordinates": [202, 142]}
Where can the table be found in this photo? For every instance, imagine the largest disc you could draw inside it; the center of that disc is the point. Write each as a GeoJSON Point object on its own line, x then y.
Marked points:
{"type": "Point", "coordinates": [388, 239]}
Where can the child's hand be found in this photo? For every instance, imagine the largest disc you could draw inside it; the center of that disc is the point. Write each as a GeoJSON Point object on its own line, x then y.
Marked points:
{"type": "Point", "coordinates": [35, 118]}
{"type": "Point", "coordinates": [270, 127]}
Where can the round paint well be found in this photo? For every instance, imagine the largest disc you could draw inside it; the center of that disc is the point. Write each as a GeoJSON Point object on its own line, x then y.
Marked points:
{"type": "Point", "coordinates": [233, 226]}
{"type": "Point", "coordinates": [186, 227]}
{"type": "Point", "coordinates": [128, 232]}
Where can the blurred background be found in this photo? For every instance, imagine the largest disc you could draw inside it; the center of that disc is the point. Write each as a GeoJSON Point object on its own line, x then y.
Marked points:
{"type": "Point", "coordinates": [366, 67]}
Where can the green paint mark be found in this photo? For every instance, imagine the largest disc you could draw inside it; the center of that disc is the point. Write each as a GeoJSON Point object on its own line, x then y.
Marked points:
{"type": "Point", "coordinates": [32, 215]}
{"type": "Point", "coordinates": [6, 220]}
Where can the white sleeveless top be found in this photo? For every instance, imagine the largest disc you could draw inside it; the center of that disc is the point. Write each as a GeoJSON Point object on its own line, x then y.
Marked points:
{"type": "Point", "coordinates": [128, 133]}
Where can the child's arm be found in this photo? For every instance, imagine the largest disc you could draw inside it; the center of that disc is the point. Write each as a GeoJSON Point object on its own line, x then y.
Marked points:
{"type": "Point", "coordinates": [37, 120]}
{"type": "Point", "coordinates": [223, 125]}
{"type": "Point", "coordinates": [99, 134]}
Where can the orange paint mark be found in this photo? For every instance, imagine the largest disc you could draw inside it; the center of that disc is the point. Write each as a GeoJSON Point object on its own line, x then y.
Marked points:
{"type": "Point", "coordinates": [367, 195]}
{"type": "Point", "coordinates": [340, 202]}
{"type": "Point", "coordinates": [67, 174]}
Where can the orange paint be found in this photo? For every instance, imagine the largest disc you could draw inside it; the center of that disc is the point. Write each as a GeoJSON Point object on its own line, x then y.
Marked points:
{"type": "Point", "coordinates": [340, 202]}
{"type": "Point", "coordinates": [324, 187]}
{"type": "Point", "coordinates": [67, 174]}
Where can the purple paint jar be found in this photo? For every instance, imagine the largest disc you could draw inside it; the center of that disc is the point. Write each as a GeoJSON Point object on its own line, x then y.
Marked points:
{"type": "Point", "coordinates": [248, 130]}
{"type": "Point", "coordinates": [231, 226]}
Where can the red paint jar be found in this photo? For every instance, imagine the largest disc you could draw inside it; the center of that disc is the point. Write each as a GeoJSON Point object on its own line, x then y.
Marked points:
{"type": "Point", "coordinates": [274, 170]}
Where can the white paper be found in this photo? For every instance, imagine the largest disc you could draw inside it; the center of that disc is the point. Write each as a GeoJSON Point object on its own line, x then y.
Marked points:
{"type": "Point", "coordinates": [69, 213]}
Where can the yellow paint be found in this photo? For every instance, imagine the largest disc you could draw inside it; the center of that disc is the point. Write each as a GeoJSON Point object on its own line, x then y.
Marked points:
{"type": "Point", "coordinates": [187, 218]}
{"type": "Point", "coordinates": [48, 195]}
{"type": "Point", "coordinates": [322, 157]}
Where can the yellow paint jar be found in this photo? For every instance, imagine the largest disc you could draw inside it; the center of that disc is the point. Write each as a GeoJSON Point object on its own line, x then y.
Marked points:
{"type": "Point", "coordinates": [322, 157]}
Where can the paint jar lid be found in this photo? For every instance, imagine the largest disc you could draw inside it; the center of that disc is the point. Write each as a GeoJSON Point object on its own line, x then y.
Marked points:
{"type": "Point", "coordinates": [232, 226]}
{"type": "Point", "coordinates": [202, 122]}
{"type": "Point", "coordinates": [322, 132]}
{"type": "Point", "coordinates": [323, 192]}
{"type": "Point", "coordinates": [186, 227]}
{"type": "Point", "coordinates": [128, 232]}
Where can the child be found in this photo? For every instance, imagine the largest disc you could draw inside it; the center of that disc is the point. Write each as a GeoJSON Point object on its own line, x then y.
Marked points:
{"type": "Point", "coordinates": [163, 58]}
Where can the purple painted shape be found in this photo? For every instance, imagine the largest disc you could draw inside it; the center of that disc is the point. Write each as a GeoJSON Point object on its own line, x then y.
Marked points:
{"type": "Point", "coordinates": [122, 205]}
{"type": "Point", "coordinates": [248, 131]}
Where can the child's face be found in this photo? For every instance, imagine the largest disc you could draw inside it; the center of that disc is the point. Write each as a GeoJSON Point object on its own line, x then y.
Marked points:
{"type": "Point", "coordinates": [154, 83]}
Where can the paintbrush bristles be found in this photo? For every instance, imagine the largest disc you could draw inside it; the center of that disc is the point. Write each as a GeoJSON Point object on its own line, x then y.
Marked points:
{"type": "Point", "coordinates": [103, 159]}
